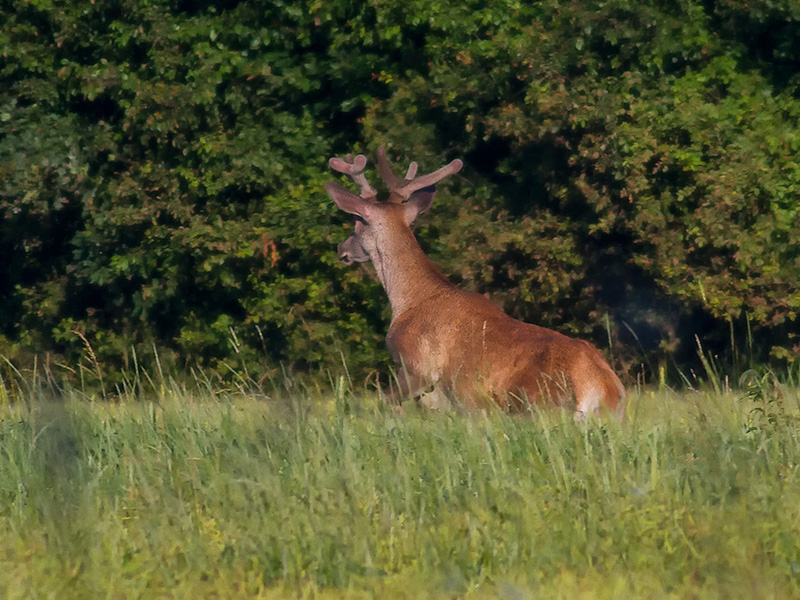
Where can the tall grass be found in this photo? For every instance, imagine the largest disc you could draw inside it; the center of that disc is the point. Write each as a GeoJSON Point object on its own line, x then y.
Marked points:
{"type": "Point", "coordinates": [176, 491]}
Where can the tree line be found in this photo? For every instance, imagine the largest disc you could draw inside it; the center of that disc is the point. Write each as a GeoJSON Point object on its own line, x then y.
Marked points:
{"type": "Point", "coordinates": [632, 175]}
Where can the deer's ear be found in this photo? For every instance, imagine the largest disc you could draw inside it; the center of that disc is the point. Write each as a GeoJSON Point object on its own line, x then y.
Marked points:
{"type": "Point", "coordinates": [419, 203]}
{"type": "Point", "coordinates": [348, 201]}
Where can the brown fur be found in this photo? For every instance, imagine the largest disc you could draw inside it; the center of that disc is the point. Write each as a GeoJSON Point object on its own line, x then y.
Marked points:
{"type": "Point", "coordinates": [458, 341]}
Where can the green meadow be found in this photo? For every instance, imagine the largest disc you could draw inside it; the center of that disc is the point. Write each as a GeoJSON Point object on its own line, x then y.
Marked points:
{"type": "Point", "coordinates": [180, 491]}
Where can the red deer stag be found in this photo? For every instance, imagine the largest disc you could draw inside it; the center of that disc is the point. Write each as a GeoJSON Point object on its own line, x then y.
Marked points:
{"type": "Point", "coordinates": [456, 341]}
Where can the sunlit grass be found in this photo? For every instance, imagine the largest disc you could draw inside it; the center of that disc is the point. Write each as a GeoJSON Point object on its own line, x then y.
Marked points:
{"type": "Point", "coordinates": [197, 493]}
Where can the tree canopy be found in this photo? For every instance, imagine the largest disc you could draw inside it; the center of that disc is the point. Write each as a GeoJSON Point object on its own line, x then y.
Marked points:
{"type": "Point", "coordinates": [632, 172]}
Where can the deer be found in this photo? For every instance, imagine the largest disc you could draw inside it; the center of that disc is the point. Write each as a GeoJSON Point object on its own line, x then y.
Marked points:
{"type": "Point", "coordinates": [449, 344]}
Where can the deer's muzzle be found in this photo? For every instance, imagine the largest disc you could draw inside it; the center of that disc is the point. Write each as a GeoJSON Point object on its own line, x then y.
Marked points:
{"type": "Point", "coordinates": [351, 251]}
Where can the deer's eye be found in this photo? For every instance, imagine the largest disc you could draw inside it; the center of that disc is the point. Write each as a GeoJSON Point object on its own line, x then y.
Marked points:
{"type": "Point", "coordinates": [358, 219]}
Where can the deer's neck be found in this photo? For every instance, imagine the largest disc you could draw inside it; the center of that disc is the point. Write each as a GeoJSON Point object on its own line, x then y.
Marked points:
{"type": "Point", "coordinates": [408, 276]}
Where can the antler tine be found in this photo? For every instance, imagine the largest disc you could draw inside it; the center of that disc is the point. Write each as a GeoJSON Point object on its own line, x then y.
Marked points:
{"type": "Point", "coordinates": [385, 170]}
{"type": "Point", "coordinates": [354, 168]}
{"type": "Point", "coordinates": [401, 189]}
{"type": "Point", "coordinates": [405, 190]}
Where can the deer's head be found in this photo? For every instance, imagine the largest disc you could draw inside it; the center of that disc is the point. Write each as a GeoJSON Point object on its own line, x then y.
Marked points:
{"type": "Point", "coordinates": [408, 197]}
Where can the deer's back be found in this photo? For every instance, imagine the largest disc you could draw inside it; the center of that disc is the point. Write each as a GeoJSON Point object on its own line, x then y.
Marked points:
{"type": "Point", "coordinates": [462, 341]}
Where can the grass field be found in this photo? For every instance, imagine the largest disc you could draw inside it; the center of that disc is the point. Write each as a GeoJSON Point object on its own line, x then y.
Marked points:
{"type": "Point", "coordinates": [186, 493]}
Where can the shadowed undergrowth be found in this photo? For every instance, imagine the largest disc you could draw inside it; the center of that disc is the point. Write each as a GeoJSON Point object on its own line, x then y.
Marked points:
{"type": "Point", "coordinates": [183, 493]}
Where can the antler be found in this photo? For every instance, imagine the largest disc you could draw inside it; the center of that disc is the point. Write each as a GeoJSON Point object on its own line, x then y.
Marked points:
{"type": "Point", "coordinates": [401, 189]}
{"type": "Point", "coordinates": [354, 168]}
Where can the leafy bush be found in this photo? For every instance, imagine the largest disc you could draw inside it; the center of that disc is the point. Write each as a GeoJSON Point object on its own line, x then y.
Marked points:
{"type": "Point", "coordinates": [631, 171]}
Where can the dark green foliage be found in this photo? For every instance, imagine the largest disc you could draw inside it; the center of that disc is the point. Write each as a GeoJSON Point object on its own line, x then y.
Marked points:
{"type": "Point", "coordinates": [631, 171]}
